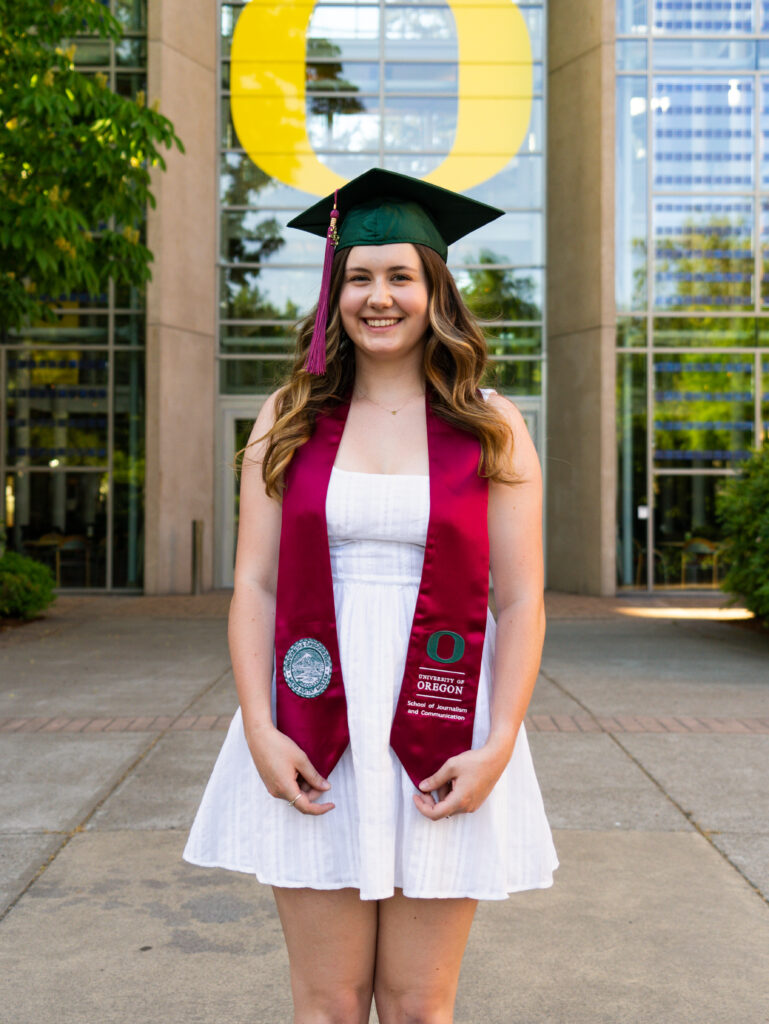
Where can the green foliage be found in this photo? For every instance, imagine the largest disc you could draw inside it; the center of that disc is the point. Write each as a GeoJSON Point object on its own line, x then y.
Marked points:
{"type": "Point", "coordinates": [742, 506]}
{"type": "Point", "coordinates": [26, 586]}
{"type": "Point", "coordinates": [75, 161]}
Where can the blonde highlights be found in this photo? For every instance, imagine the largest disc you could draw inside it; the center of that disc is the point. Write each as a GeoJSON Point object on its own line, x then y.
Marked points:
{"type": "Point", "coordinates": [455, 358]}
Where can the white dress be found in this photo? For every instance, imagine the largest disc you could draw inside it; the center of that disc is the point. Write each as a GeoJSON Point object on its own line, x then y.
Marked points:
{"type": "Point", "coordinates": [375, 839]}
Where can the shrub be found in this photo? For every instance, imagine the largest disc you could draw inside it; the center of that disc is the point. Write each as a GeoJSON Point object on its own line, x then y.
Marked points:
{"type": "Point", "coordinates": [742, 506]}
{"type": "Point", "coordinates": [26, 586]}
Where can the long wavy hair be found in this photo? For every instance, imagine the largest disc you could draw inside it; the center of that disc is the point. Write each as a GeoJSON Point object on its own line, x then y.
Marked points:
{"type": "Point", "coordinates": [455, 357]}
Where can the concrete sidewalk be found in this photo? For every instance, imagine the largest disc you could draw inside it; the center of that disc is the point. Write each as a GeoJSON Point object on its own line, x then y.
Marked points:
{"type": "Point", "coordinates": [650, 734]}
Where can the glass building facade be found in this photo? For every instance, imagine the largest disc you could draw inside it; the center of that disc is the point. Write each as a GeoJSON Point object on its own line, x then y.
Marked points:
{"type": "Point", "coordinates": [692, 289]}
{"type": "Point", "coordinates": [72, 397]}
{"type": "Point", "coordinates": [376, 83]}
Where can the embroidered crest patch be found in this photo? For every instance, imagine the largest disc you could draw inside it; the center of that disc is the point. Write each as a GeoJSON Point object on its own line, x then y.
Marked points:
{"type": "Point", "coordinates": [307, 667]}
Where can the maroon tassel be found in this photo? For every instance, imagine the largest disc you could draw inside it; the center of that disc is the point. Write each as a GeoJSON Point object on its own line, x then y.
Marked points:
{"type": "Point", "coordinates": [316, 355]}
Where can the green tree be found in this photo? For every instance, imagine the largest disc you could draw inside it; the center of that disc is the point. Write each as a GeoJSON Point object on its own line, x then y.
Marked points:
{"type": "Point", "coordinates": [75, 163]}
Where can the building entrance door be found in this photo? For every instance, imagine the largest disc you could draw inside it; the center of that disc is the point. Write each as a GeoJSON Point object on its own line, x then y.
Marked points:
{"type": "Point", "coordinates": [236, 418]}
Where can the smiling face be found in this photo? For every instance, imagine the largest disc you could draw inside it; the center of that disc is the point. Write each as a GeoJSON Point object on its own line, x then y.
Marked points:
{"type": "Point", "coordinates": [384, 299]}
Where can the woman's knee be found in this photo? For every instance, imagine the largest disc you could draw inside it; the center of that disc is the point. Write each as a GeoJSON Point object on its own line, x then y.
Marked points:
{"type": "Point", "coordinates": [333, 1004]}
{"type": "Point", "coordinates": [414, 1007]}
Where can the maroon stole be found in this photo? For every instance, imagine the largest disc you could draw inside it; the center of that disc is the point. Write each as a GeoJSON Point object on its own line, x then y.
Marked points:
{"type": "Point", "coordinates": [436, 707]}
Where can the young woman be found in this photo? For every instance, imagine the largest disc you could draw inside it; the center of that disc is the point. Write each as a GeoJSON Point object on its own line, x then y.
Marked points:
{"type": "Point", "coordinates": [377, 772]}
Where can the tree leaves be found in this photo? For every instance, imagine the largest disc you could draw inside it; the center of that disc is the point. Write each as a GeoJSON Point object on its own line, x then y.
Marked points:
{"type": "Point", "coordinates": [74, 163]}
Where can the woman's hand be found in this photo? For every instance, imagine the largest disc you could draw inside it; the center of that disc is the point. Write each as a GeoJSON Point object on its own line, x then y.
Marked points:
{"type": "Point", "coordinates": [285, 769]}
{"type": "Point", "coordinates": [462, 783]}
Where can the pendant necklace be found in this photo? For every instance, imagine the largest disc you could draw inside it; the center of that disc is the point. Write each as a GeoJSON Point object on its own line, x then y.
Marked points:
{"type": "Point", "coordinates": [386, 409]}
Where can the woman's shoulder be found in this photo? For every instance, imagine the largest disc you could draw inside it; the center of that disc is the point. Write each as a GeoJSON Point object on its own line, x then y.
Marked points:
{"type": "Point", "coordinates": [505, 406]}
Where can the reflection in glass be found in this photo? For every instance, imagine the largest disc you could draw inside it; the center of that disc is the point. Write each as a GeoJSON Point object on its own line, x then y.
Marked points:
{"type": "Point", "coordinates": [632, 16]}
{"type": "Point", "coordinates": [131, 53]}
{"type": "Point", "coordinates": [352, 31]}
{"type": "Point", "coordinates": [520, 184]}
{"type": "Point", "coordinates": [631, 55]}
{"type": "Point", "coordinates": [631, 332]}
{"type": "Point", "coordinates": [703, 414]}
{"type": "Point", "coordinates": [705, 54]}
{"type": "Point", "coordinates": [703, 133]}
{"type": "Point", "coordinates": [514, 376]}
{"type": "Point", "coordinates": [632, 493]}
{"type": "Point", "coordinates": [91, 52]}
{"type": "Point", "coordinates": [703, 253]}
{"type": "Point", "coordinates": [256, 236]}
{"type": "Point", "coordinates": [56, 407]}
{"type": "Point", "coordinates": [413, 123]}
{"type": "Point", "coordinates": [132, 14]}
{"type": "Point", "coordinates": [702, 16]}
{"type": "Point", "coordinates": [268, 293]}
{"type": "Point", "coordinates": [60, 519]}
{"type": "Point", "coordinates": [128, 470]}
{"type": "Point", "coordinates": [334, 76]}
{"type": "Point", "coordinates": [679, 332]}
{"type": "Point", "coordinates": [129, 83]}
{"type": "Point", "coordinates": [88, 329]}
{"type": "Point", "coordinates": [630, 194]}
{"type": "Point", "coordinates": [259, 338]}
{"type": "Point", "coordinates": [513, 339]}
{"type": "Point", "coordinates": [496, 293]}
{"type": "Point", "coordinates": [516, 238]}
{"type": "Point", "coordinates": [686, 531]}
{"type": "Point", "coordinates": [431, 28]}
{"type": "Point", "coordinates": [421, 77]}
{"type": "Point", "coordinates": [252, 376]}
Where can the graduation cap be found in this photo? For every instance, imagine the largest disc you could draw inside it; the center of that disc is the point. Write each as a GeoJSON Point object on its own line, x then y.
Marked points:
{"type": "Point", "coordinates": [381, 207]}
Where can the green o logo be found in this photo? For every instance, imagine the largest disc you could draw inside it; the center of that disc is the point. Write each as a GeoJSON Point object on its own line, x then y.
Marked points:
{"type": "Point", "coordinates": [457, 651]}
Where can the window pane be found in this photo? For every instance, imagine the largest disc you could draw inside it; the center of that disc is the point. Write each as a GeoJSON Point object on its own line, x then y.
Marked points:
{"type": "Point", "coordinates": [705, 54]}
{"type": "Point", "coordinates": [703, 253]}
{"type": "Point", "coordinates": [257, 236]}
{"type": "Point", "coordinates": [703, 415]}
{"type": "Point", "coordinates": [344, 31]}
{"type": "Point", "coordinates": [334, 76]}
{"type": "Point", "coordinates": [70, 330]}
{"type": "Point", "coordinates": [702, 16]}
{"type": "Point", "coordinates": [686, 532]}
{"type": "Point", "coordinates": [132, 14]}
{"type": "Point", "coordinates": [252, 376]}
{"type": "Point", "coordinates": [60, 519]}
{"type": "Point", "coordinates": [631, 55]}
{"type": "Point", "coordinates": [57, 408]}
{"type": "Point", "coordinates": [631, 332]}
{"type": "Point", "coordinates": [632, 492]}
{"type": "Point", "coordinates": [514, 339]}
{"type": "Point", "coordinates": [630, 194]}
{"type": "Point", "coordinates": [632, 16]}
{"type": "Point", "coordinates": [257, 339]}
{"type": "Point", "coordinates": [420, 77]}
{"type": "Point", "coordinates": [429, 32]}
{"type": "Point", "coordinates": [516, 238]}
{"type": "Point", "coordinates": [269, 293]}
{"type": "Point", "coordinates": [678, 332]}
{"type": "Point", "coordinates": [496, 293]}
{"type": "Point", "coordinates": [244, 183]}
{"type": "Point", "coordinates": [128, 470]}
{"type": "Point", "coordinates": [515, 376]}
{"type": "Point", "coordinates": [703, 133]}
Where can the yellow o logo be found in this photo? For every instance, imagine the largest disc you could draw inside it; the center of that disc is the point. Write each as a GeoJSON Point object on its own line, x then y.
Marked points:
{"type": "Point", "coordinates": [267, 80]}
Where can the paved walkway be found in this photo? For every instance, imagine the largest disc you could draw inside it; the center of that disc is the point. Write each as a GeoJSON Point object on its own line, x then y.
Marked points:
{"type": "Point", "coordinates": [650, 734]}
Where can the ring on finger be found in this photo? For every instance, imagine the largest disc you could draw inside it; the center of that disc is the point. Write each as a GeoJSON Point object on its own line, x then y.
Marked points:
{"type": "Point", "coordinates": [292, 802]}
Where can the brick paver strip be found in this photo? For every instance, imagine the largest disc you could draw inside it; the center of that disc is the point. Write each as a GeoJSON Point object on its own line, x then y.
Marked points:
{"type": "Point", "coordinates": [565, 723]}
{"type": "Point", "coordinates": [586, 723]}
{"type": "Point", "coordinates": [204, 722]}
{"type": "Point", "coordinates": [544, 723]}
{"type": "Point", "coordinates": [630, 723]}
{"type": "Point", "coordinates": [33, 724]}
{"type": "Point", "coordinates": [142, 724]}
{"type": "Point", "coordinates": [55, 725]}
{"type": "Point", "coordinates": [578, 723]}
{"type": "Point", "coordinates": [97, 725]}
{"type": "Point", "coordinates": [184, 722]}
{"type": "Point", "coordinates": [694, 724]}
{"type": "Point", "coordinates": [118, 725]}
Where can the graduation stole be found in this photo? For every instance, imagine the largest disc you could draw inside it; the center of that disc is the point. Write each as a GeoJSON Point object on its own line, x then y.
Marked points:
{"type": "Point", "coordinates": [436, 707]}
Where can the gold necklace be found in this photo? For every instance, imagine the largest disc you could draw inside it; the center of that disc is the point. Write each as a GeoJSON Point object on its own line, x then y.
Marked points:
{"type": "Point", "coordinates": [386, 409]}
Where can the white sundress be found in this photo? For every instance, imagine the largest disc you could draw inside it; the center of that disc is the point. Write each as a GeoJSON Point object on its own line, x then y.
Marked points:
{"type": "Point", "coordinates": [375, 839]}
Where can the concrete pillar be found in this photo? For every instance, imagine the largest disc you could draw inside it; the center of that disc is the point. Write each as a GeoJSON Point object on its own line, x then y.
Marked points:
{"type": "Point", "coordinates": [581, 440]}
{"type": "Point", "coordinates": [181, 343]}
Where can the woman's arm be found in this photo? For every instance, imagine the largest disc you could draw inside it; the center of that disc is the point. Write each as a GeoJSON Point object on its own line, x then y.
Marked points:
{"type": "Point", "coordinates": [515, 544]}
{"type": "Point", "coordinates": [251, 632]}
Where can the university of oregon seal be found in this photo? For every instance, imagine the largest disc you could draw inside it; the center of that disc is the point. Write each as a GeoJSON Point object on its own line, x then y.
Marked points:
{"type": "Point", "coordinates": [307, 667]}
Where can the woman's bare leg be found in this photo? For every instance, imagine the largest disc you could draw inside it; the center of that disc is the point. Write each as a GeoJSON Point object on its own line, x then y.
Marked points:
{"type": "Point", "coordinates": [331, 937]}
{"type": "Point", "coordinates": [420, 944]}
